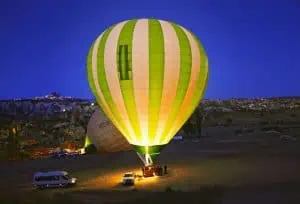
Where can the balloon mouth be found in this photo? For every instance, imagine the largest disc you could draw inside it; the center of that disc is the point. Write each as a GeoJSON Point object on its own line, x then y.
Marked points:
{"type": "Point", "coordinates": [148, 154]}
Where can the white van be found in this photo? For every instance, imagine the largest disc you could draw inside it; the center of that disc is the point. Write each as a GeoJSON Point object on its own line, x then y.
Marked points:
{"type": "Point", "coordinates": [52, 179]}
{"type": "Point", "coordinates": [129, 178]}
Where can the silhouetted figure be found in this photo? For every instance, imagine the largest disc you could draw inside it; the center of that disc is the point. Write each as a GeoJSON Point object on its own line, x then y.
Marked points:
{"type": "Point", "coordinates": [165, 169]}
{"type": "Point", "coordinates": [160, 170]}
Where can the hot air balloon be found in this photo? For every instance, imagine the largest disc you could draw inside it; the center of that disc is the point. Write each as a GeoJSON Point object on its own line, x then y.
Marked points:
{"type": "Point", "coordinates": [104, 135]}
{"type": "Point", "coordinates": [148, 76]}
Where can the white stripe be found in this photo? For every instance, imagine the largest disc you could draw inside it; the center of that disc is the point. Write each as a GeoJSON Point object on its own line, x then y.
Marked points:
{"type": "Point", "coordinates": [112, 77]}
{"type": "Point", "coordinates": [140, 75]}
{"type": "Point", "coordinates": [171, 76]}
{"type": "Point", "coordinates": [96, 82]}
{"type": "Point", "coordinates": [195, 70]}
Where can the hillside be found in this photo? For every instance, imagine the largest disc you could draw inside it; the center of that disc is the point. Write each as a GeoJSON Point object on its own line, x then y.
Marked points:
{"type": "Point", "coordinates": [54, 119]}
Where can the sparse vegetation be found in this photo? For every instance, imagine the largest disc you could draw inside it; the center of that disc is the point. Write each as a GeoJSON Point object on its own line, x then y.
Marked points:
{"type": "Point", "coordinates": [264, 122]}
{"type": "Point", "coordinates": [271, 128]}
{"type": "Point", "coordinates": [169, 189]}
{"type": "Point", "coordinates": [34, 198]}
{"type": "Point", "coordinates": [248, 130]}
{"type": "Point", "coordinates": [238, 131]}
{"type": "Point", "coordinates": [205, 195]}
{"type": "Point", "coordinates": [91, 149]}
{"type": "Point", "coordinates": [228, 122]}
{"type": "Point", "coordinates": [279, 122]}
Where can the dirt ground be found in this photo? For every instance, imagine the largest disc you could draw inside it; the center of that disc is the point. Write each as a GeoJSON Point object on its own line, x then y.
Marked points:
{"type": "Point", "coordinates": [241, 170]}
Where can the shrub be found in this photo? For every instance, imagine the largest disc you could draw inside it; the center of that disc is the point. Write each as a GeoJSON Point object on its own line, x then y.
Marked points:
{"type": "Point", "coordinates": [228, 122]}
{"type": "Point", "coordinates": [272, 128]}
{"type": "Point", "coordinates": [91, 149]}
{"type": "Point", "coordinates": [169, 189]}
{"type": "Point", "coordinates": [248, 130]}
{"type": "Point", "coordinates": [210, 194]}
{"type": "Point", "coordinates": [238, 131]}
{"type": "Point", "coordinates": [279, 121]}
{"type": "Point", "coordinates": [264, 122]}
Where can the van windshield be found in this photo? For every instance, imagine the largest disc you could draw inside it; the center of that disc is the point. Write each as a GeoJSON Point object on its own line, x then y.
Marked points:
{"type": "Point", "coordinates": [66, 177]}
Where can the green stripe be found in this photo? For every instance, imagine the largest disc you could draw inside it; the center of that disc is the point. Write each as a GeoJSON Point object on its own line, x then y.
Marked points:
{"type": "Point", "coordinates": [116, 117]}
{"type": "Point", "coordinates": [94, 90]}
{"type": "Point", "coordinates": [185, 73]}
{"type": "Point", "coordinates": [125, 76]}
{"type": "Point", "coordinates": [202, 81]}
{"type": "Point", "coordinates": [156, 75]}
{"type": "Point", "coordinates": [203, 75]}
{"type": "Point", "coordinates": [200, 87]}
{"type": "Point", "coordinates": [92, 83]}
{"type": "Point", "coordinates": [91, 79]}
{"type": "Point", "coordinates": [90, 72]}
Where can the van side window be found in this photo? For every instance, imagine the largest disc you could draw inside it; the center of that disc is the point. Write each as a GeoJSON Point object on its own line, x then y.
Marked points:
{"type": "Point", "coordinates": [47, 178]}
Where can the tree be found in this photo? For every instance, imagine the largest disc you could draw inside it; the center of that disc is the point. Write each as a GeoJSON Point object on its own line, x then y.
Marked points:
{"type": "Point", "coordinates": [201, 116]}
{"type": "Point", "coordinates": [75, 116]}
{"type": "Point", "coordinates": [13, 144]}
{"type": "Point", "coordinates": [187, 127]}
{"type": "Point", "coordinates": [194, 124]}
{"type": "Point", "coordinates": [84, 124]}
{"type": "Point", "coordinates": [12, 108]}
{"type": "Point", "coordinates": [91, 149]}
{"type": "Point", "coordinates": [228, 121]}
{"type": "Point", "coordinates": [10, 145]}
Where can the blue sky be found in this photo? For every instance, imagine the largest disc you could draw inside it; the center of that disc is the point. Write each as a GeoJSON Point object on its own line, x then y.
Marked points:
{"type": "Point", "coordinates": [253, 45]}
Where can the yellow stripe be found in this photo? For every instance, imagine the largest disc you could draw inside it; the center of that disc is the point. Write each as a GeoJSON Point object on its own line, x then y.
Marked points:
{"type": "Point", "coordinates": [96, 82]}
{"type": "Point", "coordinates": [191, 87]}
{"type": "Point", "coordinates": [111, 71]}
{"type": "Point", "coordinates": [140, 75]}
{"type": "Point", "coordinates": [171, 76]}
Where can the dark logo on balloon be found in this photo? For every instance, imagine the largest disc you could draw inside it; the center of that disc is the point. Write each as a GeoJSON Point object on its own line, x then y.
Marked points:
{"type": "Point", "coordinates": [124, 65]}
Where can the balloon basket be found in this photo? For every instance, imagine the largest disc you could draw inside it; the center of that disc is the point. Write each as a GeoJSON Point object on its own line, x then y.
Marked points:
{"type": "Point", "coordinates": [154, 170]}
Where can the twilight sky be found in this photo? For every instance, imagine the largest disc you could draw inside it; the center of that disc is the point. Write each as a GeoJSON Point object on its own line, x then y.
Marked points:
{"type": "Point", "coordinates": [253, 46]}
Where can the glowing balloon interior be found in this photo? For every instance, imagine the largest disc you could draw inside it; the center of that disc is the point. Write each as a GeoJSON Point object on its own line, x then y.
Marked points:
{"type": "Point", "coordinates": [148, 77]}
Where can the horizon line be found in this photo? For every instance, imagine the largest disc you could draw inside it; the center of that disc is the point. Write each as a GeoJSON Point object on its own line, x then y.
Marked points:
{"type": "Point", "coordinates": [227, 98]}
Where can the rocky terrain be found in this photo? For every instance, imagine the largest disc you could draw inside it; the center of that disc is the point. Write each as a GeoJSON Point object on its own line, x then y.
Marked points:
{"type": "Point", "coordinates": [245, 150]}
{"type": "Point", "coordinates": [51, 120]}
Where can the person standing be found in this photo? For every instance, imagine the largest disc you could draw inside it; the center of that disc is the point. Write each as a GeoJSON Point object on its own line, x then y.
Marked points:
{"type": "Point", "coordinates": [165, 169]}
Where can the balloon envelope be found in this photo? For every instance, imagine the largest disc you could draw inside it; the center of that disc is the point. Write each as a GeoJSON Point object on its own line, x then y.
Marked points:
{"type": "Point", "coordinates": [148, 77]}
{"type": "Point", "coordinates": [104, 135]}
